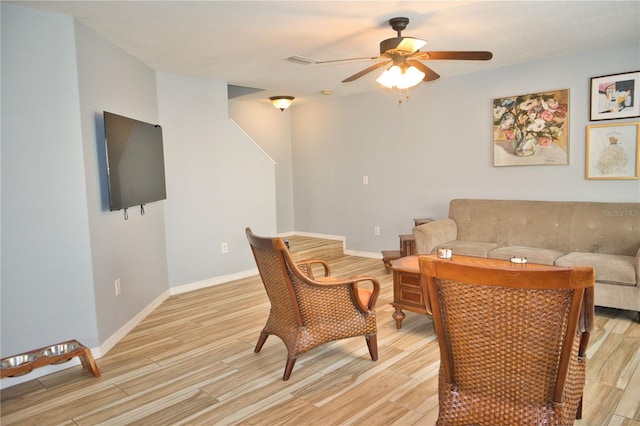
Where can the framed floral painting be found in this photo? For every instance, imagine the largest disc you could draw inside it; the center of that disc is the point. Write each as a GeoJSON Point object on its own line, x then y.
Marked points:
{"type": "Point", "coordinates": [613, 151]}
{"type": "Point", "coordinates": [615, 96]}
{"type": "Point", "coordinates": [531, 129]}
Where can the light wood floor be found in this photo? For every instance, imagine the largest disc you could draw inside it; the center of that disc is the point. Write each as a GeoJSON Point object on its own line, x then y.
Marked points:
{"type": "Point", "coordinates": [191, 361]}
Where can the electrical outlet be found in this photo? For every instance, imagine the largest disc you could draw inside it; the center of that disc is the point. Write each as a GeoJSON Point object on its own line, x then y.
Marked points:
{"type": "Point", "coordinates": [365, 180]}
{"type": "Point", "coordinates": [117, 286]}
{"type": "Point", "coordinates": [376, 230]}
{"type": "Point", "coordinates": [225, 247]}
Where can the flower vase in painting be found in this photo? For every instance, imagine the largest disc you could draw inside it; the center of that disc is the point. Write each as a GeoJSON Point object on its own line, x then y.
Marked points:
{"type": "Point", "coordinates": [524, 145]}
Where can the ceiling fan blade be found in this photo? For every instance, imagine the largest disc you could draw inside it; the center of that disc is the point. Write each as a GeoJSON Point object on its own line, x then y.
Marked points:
{"type": "Point", "coordinates": [347, 60]}
{"type": "Point", "coordinates": [429, 74]}
{"type": "Point", "coordinates": [455, 55]}
{"type": "Point", "coordinates": [308, 61]}
{"type": "Point", "coordinates": [366, 71]}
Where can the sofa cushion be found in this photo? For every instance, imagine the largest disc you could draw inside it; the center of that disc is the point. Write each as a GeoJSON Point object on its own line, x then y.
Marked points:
{"type": "Point", "coordinates": [468, 248]}
{"type": "Point", "coordinates": [568, 226]}
{"type": "Point", "coordinates": [608, 268]}
{"type": "Point", "coordinates": [533, 254]}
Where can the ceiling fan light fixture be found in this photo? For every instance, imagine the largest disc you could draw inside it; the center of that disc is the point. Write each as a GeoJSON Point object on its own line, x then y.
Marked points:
{"type": "Point", "coordinates": [400, 79]}
{"type": "Point", "coordinates": [411, 45]}
{"type": "Point", "coordinates": [281, 102]}
{"type": "Point", "coordinates": [389, 76]}
{"type": "Point", "coordinates": [401, 45]}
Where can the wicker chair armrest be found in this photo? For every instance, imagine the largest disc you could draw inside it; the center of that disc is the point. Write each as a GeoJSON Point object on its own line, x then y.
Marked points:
{"type": "Point", "coordinates": [375, 290]}
{"type": "Point", "coordinates": [306, 266]}
{"type": "Point", "coordinates": [587, 311]}
{"type": "Point", "coordinates": [353, 282]}
{"type": "Point", "coordinates": [585, 325]}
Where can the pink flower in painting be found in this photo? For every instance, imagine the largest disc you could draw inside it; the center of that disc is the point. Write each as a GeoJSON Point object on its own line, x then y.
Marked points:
{"type": "Point", "coordinates": [544, 141]}
{"type": "Point", "coordinates": [561, 111]}
{"type": "Point", "coordinates": [546, 115]}
{"type": "Point", "coordinates": [509, 134]}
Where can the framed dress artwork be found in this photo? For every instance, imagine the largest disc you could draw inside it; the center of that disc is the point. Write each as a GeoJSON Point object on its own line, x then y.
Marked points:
{"type": "Point", "coordinates": [613, 151]}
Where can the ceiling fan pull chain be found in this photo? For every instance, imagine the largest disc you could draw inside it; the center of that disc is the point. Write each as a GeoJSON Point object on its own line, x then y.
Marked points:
{"type": "Point", "coordinates": [400, 96]}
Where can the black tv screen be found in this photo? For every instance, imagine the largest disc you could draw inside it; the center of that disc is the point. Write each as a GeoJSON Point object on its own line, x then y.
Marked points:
{"type": "Point", "coordinates": [135, 161]}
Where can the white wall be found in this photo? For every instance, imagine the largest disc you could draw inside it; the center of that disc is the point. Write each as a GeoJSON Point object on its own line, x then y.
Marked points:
{"type": "Point", "coordinates": [436, 147]}
{"type": "Point", "coordinates": [218, 182]}
{"type": "Point", "coordinates": [132, 250]}
{"type": "Point", "coordinates": [62, 248]}
{"type": "Point", "coordinates": [47, 292]}
{"type": "Point", "coordinates": [271, 129]}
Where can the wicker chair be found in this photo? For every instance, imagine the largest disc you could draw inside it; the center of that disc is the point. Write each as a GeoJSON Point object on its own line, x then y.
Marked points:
{"type": "Point", "coordinates": [512, 340]}
{"type": "Point", "coordinates": [307, 312]}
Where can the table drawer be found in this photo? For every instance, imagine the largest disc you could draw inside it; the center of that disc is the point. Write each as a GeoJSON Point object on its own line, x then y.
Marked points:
{"type": "Point", "coordinates": [409, 280]}
{"type": "Point", "coordinates": [407, 290]}
{"type": "Point", "coordinates": [411, 295]}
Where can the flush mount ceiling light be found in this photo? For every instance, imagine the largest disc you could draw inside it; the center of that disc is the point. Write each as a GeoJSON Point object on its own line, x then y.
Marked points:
{"type": "Point", "coordinates": [281, 102]}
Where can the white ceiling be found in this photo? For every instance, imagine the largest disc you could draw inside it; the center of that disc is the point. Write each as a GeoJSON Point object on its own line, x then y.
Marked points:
{"type": "Point", "coordinates": [247, 43]}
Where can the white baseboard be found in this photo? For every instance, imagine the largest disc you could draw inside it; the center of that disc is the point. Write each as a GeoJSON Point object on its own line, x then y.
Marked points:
{"type": "Point", "coordinates": [323, 236]}
{"type": "Point", "coordinates": [344, 243]}
{"type": "Point", "coordinates": [213, 281]}
{"type": "Point", "coordinates": [363, 254]}
{"type": "Point", "coordinates": [130, 325]}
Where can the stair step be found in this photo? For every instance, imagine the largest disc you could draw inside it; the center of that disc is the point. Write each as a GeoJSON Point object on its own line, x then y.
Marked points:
{"type": "Point", "coordinates": [305, 248]}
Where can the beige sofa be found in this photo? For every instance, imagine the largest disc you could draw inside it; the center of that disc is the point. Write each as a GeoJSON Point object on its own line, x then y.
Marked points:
{"type": "Point", "coordinates": [566, 233]}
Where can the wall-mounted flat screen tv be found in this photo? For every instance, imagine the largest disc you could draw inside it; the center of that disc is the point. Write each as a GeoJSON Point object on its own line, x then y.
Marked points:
{"type": "Point", "coordinates": [135, 162]}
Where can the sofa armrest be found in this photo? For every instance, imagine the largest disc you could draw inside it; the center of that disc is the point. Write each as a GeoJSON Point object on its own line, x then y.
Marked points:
{"type": "Point", "coordinates": [430, 235]}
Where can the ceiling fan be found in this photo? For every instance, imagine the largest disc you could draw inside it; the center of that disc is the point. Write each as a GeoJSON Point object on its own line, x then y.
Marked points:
{"type": "Point", "coordinates": [404, 53]}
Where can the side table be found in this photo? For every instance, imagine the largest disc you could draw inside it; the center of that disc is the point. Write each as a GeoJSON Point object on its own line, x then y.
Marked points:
{"type": "Point", "coordinates": [407, 246]}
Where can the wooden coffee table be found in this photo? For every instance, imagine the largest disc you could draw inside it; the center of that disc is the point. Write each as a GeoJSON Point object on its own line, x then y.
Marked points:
{"type": "Point", "coordinates": [410, 291]}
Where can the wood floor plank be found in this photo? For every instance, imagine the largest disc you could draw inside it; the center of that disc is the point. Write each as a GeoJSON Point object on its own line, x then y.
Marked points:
{"type": "Point", "coordinates": [340, 408]}
{"type": "Point", "coordinates": [291, 411]}
{"type": "Point", "coordinates": [153, 390]}
{"type": "Point", "coordinates": [419, 395]}
{"type": "Point", "coordinates": [15, 392]}
{"type": "Point", "coordinates": [61, 408]}
{"type": "Point", "coordinates": [629, 404]}
{"type": "Point", "coordinates": [622, 421]}
{"type": "Point", "coordinates": [176, 411]}
{"type": "Point", "coordinates": [600, 402]}
{"type": "Point", "coordinates": [192, 361]}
